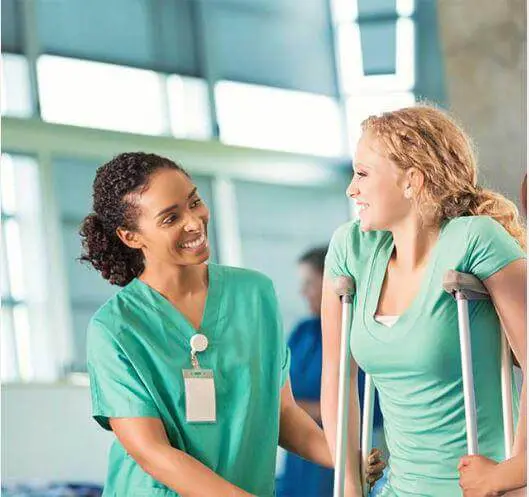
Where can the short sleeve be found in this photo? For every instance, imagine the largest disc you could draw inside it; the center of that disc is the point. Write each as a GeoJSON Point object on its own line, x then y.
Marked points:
{"type": "Point", "coordinates": [277, 318]}
{"type": "Point", "coordinates": [285, 363]}
{"type": "Point", "coordinates": [490, 247]}
{"type": "Point", "coordinates": [116, 388]}
{"type": "Point", "coordinates": [335, 260]}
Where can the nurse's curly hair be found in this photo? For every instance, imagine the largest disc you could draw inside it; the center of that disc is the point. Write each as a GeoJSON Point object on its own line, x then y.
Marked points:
{"type": "Point", "coordinates": [426, 138]}
{"type": "Point", "coordinates": [114, 207]}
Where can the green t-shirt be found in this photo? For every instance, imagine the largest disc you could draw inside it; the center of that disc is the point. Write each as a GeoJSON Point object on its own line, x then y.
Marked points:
{"type": "Point", "coordinates": [138, 345]}
{"type": "Point", "coordinates": [416, 364]}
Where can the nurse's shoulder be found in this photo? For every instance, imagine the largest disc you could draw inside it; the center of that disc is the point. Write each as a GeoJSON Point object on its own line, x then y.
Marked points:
{"type": "Point", "coordinates": [111, 318]}
{"type": "Point", "coordinates": [247, 281]}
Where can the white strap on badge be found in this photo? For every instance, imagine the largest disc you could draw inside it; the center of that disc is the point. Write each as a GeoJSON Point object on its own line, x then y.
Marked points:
{"type": "Point", "coordinates": [199, 343]}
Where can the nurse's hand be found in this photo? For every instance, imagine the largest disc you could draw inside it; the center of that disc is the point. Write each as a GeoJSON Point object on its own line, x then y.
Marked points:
{"type": "Point", "coordinates": [475, 476]}
{"type": "Point", "coordinates": [375, 467]}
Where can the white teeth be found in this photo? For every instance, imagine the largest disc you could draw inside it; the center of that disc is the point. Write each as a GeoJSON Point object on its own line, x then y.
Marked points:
{"type": "Point", "coordinates": [195, 243]}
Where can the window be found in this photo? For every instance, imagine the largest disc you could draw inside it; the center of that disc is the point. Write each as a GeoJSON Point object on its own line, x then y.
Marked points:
{"type": "Point", "coordinates": [270, 118]}
{"type": "Point", "coordinates": [274, 234]}
{"type": "Point", "coordinates": [376, 57]}
{"type": "Point", "coordinates": [100, 95]}
{"type": "Point", "coordinates": [16, 93]}
{"type": "Point", "coordinates": [188, 107]}
{"type": "Point", "coordinates": [23, 274]}
{"type": "Point", "coordinates": [106, 96]}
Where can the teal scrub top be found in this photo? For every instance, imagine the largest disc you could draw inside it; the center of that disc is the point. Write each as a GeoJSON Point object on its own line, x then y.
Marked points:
{"type": "Point", "coordinates": [138, 345]}
{"type": "Point", "coordinates": [416, 364]}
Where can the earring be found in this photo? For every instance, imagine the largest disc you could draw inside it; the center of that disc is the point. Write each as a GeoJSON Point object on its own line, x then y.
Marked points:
{"type": "Point", "coordinates": [408, 192]}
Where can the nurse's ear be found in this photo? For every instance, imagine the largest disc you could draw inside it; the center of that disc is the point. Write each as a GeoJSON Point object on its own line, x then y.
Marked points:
{"type": "Point", "coordinates": [131, 239]}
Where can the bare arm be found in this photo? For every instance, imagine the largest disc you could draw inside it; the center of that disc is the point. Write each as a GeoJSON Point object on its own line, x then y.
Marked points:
{"type": "Point", "coordinates": [312, 408]}
{"type": "Point", "coordinates": [479, 475]}
{"type": "Point", "coordinates": [299, 433]}
{"type": "Point", "coordinates": [146, 441]}
{"type": "Point", "coordinates": [507, 288]}
{"type": "Point", "coordinates": [483, 477]}
{"type": "Point", "coordinates": [331, 314]}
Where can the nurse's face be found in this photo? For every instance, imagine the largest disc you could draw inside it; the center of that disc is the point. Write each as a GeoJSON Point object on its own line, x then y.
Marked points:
{"type": "Point", "coordinates": [311, 286]}
{"type": "Point", "coordinates": [173, 220]}
{"type": "Point", "coordinates": [377, 187]}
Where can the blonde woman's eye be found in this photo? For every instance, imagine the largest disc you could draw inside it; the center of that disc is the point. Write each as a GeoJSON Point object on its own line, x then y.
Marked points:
{"type": "Point", "coordinates": [196, 203]}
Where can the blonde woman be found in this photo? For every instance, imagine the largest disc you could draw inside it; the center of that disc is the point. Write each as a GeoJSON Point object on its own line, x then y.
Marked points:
{"type": "Point", "coordinates": [421, 213]}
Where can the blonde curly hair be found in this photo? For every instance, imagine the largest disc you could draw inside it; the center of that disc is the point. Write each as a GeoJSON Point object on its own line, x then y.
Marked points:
{"type": "Point", "coordinates": [426, 138]}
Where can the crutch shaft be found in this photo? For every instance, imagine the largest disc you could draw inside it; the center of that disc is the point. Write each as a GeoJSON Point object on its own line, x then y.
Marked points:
{"type": "Point", "coordinates": [506, 396]}
{"type": "Point", "coordinates": [343, 399]}
{"type": "Point", "coordinates": [367, 428]}
{"type": "Point", "coordinates": [468, 376]}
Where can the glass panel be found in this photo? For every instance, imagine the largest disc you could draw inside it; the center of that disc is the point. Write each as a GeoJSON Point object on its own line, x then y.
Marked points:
{"type": "Point", "coordinates": [22, 341]}
{"type": "Point", "coordinates": [189, 107]}
{"type": "Point", "coordinates": [12, 26]}
{"type": "Point", "coordinates": [274, 234]}
{"type": "Point", "coordinates": [371, 66]}
{"type": "Point", "coordinates": [344, 11]}
{"type": "Point", "coordinates": [8, 354]}
{"type": "Point", "coordinates": [362, 106]}
{"type": "Point", "coordinates": [14, 258]}
{"type": "Point", "coordinates": [73, 179]}
{"type": "Point", "coordinates": [405, 8]}
{"type": "Point", "coordinates": [16, 89]}
{"type": "Point", "coordinates": [376, 7]}
{"type": "Point", "coordinates": [101, 95]}
{"type": "Point", "coordinates": [379, 42]}
{"type": "Point", "coordinates": [262, 117]}
{"type": "Point", "coordinates": [7, 180]}
{"type": "Point", "coordinates": [6, 292]}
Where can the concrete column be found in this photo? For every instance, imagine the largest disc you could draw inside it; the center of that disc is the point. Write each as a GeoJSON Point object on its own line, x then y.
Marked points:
{"type": "Point", "coordinates": [484, 48]}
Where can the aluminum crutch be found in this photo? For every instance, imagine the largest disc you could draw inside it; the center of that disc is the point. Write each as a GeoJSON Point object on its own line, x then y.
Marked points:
{"type": "Point", "coordinates": [367, 429]}
{"type": "Point", "coordinates": [344, 288]}
{"type": "Point", "coordinates": [465, 287]}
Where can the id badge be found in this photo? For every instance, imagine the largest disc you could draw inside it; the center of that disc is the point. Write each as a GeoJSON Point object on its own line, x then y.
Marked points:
{"type": "Point", "coordinates": [200, 395]}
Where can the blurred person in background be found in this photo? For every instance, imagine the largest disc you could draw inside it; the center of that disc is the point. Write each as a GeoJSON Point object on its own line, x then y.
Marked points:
{"type": "Point", "coordinates": [300, 477]}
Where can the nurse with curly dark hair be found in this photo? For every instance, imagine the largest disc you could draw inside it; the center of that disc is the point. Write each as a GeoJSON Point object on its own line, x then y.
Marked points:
{"type": "Point", "coordinates": [188, 365]}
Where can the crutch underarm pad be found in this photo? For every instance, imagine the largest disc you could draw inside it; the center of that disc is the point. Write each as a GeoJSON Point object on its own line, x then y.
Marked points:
{"type": "Point", "coordinates": [465, 284]}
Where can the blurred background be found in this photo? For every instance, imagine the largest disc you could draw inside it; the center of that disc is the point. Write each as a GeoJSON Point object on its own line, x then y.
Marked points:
{"type": "Point", "coordinates": [261, 101]}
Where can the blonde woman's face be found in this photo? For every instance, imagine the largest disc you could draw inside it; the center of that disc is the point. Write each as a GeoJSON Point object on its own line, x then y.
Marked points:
{"type": "Point", "coordinates": [377, 187]}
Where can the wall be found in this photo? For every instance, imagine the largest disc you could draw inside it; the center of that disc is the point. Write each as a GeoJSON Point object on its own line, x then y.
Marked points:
{"type": "Point", "coordinates": [484, 45]}
{"type": "Point", "coordinates": [48, 435]}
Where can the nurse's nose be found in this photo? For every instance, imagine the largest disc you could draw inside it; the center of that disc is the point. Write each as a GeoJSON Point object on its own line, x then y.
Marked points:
{"type": "Point", "coordinates": [192, 223]}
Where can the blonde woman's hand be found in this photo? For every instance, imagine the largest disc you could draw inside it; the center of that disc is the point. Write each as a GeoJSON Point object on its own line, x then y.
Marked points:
{"type": "Point", "coordinates": [375, 467]}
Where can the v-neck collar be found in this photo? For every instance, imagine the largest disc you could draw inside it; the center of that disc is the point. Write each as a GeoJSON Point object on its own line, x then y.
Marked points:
{"type": "Point", "coordinates": [211, 306]}
{"type": "Point", "coordinates": [377, 273]}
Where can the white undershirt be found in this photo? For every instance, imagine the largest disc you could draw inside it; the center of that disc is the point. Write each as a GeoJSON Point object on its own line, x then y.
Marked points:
{"type": "Point", "coordinates": [388, 321]}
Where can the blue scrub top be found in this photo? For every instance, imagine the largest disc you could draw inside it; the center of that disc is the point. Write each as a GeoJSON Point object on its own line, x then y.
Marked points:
{"type": "Point", "coordinates": [300, 477]}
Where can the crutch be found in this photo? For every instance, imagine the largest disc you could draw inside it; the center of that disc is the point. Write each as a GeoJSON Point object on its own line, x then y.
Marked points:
{"type": "Point", "coordinates": [344, 287]}
{"type": "Point", "coordinates": [465, 287]}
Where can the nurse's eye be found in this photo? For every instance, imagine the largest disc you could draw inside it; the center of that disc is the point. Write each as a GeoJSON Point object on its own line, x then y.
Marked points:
{"type": "Point", "coordinates": [169, 219]}
{"type": "Point", "coordinates": [196, 203]}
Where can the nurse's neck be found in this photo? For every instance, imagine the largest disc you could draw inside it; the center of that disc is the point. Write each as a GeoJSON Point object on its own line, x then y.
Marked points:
{"type": "Point", "coordinates": [176, 282]}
